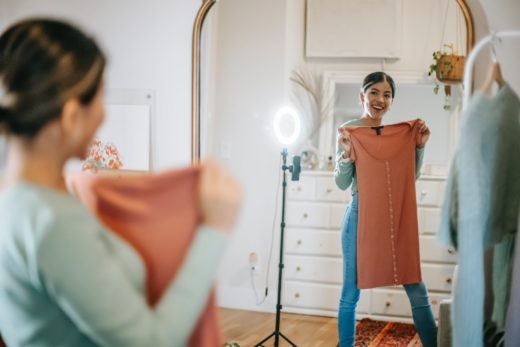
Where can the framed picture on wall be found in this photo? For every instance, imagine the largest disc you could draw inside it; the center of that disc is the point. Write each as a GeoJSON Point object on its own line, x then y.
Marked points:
{"type": "Point", "coordinates": [123, 141]}
{"type": "Point", "coordinates": [335, 28]}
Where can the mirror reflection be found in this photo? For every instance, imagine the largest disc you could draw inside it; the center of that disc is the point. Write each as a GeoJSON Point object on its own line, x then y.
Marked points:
{"type": "Point", "coordinates": [313, 57]}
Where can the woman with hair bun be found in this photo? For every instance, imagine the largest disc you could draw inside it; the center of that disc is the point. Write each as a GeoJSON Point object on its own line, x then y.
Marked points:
{"type": "Point", "coordinates": [64, 279]}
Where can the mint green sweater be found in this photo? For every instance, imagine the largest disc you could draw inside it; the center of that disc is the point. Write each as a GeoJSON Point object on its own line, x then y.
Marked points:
{"type": "Point", "coordinates": [345, 170]}
{"type": "Point", "coordinates": [66, 281]}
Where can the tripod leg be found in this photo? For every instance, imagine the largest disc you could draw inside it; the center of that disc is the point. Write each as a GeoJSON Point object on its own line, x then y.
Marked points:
{"type": "Point", "coordinates": [277, 332]}
{"type": "Point", "coordinates": [259, 344]}
{"type": "Point", "coordinates": [286, 339]}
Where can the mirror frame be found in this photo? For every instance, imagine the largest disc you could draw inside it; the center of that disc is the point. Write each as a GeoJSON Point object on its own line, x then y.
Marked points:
{"type": "Point", "coordinates": [195, 78]}
{"type": "Point", "coordinates": [195, 69]}
{"type": "Point", "coordinates": [470, 25]}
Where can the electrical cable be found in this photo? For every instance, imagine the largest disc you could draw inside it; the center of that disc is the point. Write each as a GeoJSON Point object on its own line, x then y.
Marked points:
{"type": "Point", "coordinates": [268, 267]}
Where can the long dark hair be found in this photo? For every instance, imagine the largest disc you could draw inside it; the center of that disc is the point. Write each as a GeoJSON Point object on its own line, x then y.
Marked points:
{"type": "Point", "coordinates": [43, 63]}
{"type": "Point", "coordinates": [376, 77]}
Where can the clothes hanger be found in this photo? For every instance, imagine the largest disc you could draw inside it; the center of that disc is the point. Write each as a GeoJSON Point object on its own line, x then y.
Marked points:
{"type": "Point", "coordinates": [494, 72]}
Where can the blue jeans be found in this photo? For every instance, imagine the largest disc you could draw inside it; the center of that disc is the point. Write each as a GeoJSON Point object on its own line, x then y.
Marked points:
{"type": "Point", "coordinates": [417, 293]}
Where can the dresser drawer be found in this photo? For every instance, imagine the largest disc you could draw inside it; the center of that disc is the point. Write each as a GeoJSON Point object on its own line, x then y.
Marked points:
{"type": "Point", "coordinates": [319, 296]}
{"type": "Point", "coordinates": [326, 190]}
{"type": "Point", "coordinates": [308, 214]}
{"type": "Point", "coordinates": [429, 220]}
{"type": "Point", "coordinates": [435, 300]}
{"type": "Point", "coordinates": [396, 302]}
{"type": "Point", "coordinates": [304, 189]}
{"type": "Point", "coordinates": [430, 193]}
{"type": "Point", "coordinates": [316, 269]}
{"type": "Point", "coordinates": [313, 242]}
{"type": "Point", "coordinates": [390, 302]}
{"type": "Point", "coordinates": [433, 250]}
{"type": "Point", "coordinates": [438, 277]}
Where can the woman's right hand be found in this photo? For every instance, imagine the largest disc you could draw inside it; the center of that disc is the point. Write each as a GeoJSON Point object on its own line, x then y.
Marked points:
{"type": "Point", "coordinates": [344, 142]}
{"type": "Point", "coordinates": [220, 197]}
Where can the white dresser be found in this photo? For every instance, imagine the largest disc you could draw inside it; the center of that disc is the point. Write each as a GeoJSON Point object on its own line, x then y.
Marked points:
{"type": "Point", "coordinates": [313, 262]}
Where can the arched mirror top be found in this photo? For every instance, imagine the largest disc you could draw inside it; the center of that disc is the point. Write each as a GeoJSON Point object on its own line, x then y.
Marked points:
{"type": "Point", "coordinates": [470, 26]}
{"type": "Point", "coordinates": [419, 66]}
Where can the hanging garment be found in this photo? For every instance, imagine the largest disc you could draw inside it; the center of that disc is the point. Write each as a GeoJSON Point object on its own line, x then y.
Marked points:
{"type": "Point", "coordinates": [481, 209]}
{"type": "Point", "coordinates": [158, 215]}
{"type": "Point", "coordinates": [388, 240]}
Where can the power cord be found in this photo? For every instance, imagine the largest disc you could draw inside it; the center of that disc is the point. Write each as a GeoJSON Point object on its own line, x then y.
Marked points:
{"type": "Point", "coordinates": [252, 272]}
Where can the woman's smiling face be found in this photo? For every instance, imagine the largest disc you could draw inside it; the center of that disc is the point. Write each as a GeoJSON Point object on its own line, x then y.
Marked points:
{"type": "Point", "coordinates": [376, 100]}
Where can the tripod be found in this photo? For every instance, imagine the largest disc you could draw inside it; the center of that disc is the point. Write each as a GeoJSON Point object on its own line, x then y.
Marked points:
{"type": "Point", "coordinates": [295, 170]}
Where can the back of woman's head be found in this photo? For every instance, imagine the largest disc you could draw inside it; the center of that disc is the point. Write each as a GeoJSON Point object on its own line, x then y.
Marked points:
{"type": "Point", "coordinates": [376, 77]}
{"type": "Point", "coordinates": [44, 63]}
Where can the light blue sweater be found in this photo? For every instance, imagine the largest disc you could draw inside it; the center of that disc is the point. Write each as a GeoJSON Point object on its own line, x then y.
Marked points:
{"type": "Point", "coordinates": [481, 209]}
{"type": "Point", "coordinates": [345, 170]}
{"type": "Point", "coordinates": [66, 281]}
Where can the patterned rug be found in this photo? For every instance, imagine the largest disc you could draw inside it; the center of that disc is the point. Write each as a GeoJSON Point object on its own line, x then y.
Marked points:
{"type": "Point", "coordinates": [371, 333]}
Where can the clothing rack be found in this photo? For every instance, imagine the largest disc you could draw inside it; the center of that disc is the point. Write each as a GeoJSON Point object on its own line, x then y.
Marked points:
{"type": "Point", "coordinates": [468, 69]}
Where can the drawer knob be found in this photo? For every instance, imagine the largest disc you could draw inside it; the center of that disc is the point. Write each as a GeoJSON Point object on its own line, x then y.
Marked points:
{"type": "Point", "coordinates": [299, 242]}
{"type": "Point", "coordinates": [451, 251]}
{"type": "Point", "coordinates": [305, 215]}
{"type": "Point", "coordinates": [299, 188]}
{"type": "Point", "coordinates": [448, 280]}
{"type": "Point", "coordinates": [388, 303]}
{"type": "Point", "coordinates": [298, 268]}
{"type": "Point", "coordinates": [296, 295]}
{"type": "Point", "coordinates": [329, 190]}
{"type": "Point", "coordinates": [424, 192]}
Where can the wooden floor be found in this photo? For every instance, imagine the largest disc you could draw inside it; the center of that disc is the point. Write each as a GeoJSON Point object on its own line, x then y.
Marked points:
{"type": "Point", "coordinates": [248, 328]}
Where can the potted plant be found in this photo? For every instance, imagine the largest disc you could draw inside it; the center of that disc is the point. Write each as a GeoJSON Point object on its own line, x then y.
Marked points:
{"type": "Point", "coordinates": [449, 69]}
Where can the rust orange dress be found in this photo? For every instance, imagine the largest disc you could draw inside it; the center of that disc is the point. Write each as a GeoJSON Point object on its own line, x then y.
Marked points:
{"type": "Point", "coordinates": [158, 215]}
{"type": "Point", "coordinates": [388, 240]}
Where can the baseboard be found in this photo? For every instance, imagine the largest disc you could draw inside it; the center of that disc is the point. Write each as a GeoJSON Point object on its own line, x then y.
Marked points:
{"type": "Point", "coordinates": [241, 298]}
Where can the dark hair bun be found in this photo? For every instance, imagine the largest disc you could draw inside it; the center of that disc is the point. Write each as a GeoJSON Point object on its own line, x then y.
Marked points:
{"type": "Point", "coordinates": [44, 63]}
{"type": "Point", "coordinates": [376, 77]}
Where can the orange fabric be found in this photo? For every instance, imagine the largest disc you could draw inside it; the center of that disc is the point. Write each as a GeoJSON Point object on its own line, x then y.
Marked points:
{"type": "Point", "coordinates": [158, 215]}
{"type": "Point", "coordinates": [388, 240]}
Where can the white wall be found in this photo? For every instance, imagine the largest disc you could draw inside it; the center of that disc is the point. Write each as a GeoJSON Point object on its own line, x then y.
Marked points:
{"type": "Point", "coordinates": [248, 88]}
{"type": "Point", "coordinates": [505, 15]}
{"type": "Point", "coordinates": [422, 23]}
{"type": "Point", "coordinates": [149, 47]}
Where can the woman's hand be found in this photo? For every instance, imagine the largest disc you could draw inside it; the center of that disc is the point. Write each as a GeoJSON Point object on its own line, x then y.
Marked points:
{"type": "Point", "coordinates": [220, 197]}
{"type": "Point", "coordinates": [344, 142]}
{"type": "Point", "coordinates": [423, 135]}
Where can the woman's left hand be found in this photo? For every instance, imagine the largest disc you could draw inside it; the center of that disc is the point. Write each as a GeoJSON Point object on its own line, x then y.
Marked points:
{"type": "Point", "coordinates": [423, 135]}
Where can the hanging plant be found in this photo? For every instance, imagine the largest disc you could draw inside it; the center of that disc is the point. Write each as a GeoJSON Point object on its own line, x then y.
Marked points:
{"type": "Point", "coordinates": [448, 64]}
{"type": "Point", "coordinates": [449, 69]}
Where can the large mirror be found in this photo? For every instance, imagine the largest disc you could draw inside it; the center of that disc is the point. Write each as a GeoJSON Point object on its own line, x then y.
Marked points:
{"type": "Point", "coordinates": [253, 55]}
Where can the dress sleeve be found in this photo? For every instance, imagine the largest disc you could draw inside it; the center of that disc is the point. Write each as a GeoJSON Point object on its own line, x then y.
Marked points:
{"type": "Point", "coordinates": [419, 155]}
{"type": "Point", "coordinates": [77, 269]}
{"type": "Point", "coordinates": [344, 170]}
